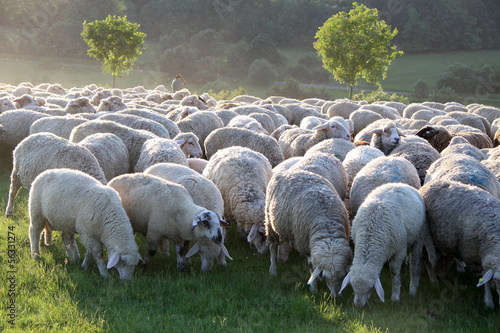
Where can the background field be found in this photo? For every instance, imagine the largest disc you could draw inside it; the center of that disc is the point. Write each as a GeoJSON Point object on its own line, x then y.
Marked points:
{"type": "Point", "coordinates": [54, 295]}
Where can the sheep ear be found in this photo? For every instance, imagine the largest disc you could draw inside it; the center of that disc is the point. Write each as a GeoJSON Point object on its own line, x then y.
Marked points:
{"type": "Point", "coordinates": [180, 142]}
{"type": "Point", "coordinates": [379, 289]}
{"type": "Point", "coordinates": [321, 127]}
{"type": "Point", "coordinates": [192, 251]}
{"type": "Point", "coordinates": [223, 223]}
{"type": "Point", "coordinates": [486, 277]}
{"type": "Point", "coordinates": [400, 133]}
{"type": "Point", "coordinates": [375, 131]}
{"type": "Point", "coordinates": [113, 260]}
{"type": "Point", "coordinates": [317, 272]}
{"type": "Point", "coordinates": [351, 125]}
{"type": "Point", "coordinates": [346, 281]}
{"type": "Point", "coordinates": [225, 251]}
{"type": "Point", "coordinates": [140, 258]}
{"type": "Point", "coordinates": [253, 233]}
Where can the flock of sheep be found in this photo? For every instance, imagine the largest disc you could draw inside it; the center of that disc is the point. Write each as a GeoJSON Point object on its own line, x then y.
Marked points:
{"type": "Point", "coordinates": [350, 185]}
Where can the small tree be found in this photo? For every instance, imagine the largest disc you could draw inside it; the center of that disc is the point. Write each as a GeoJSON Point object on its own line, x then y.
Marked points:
{"type": "Point", "coordinates": [356, 44]}
{"type": "Point", "coordinates": [116, 41]}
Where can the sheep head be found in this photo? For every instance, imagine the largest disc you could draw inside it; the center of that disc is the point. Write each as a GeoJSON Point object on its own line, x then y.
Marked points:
{"type": "Point", "coordinates": [334, 129]}
{"type": "Point", "coordinates": [208, 224]}
{"type": "Point", "coordinates": [124, 263]}
{"type": "Point", "coordinates": [490, 279]}
{"type": "Point", "coordinates": [387, 137]}
{"type": "Point", "coordinates": [188, 142]}
{"type": "Point", "coordinates": [363, 286]}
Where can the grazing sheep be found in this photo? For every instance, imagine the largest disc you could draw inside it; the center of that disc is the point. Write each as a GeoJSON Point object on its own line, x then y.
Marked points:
{"type": "Point", "coordinates": [337, 147]}
{"type": "Point", "coordinates": [232, 136]}
{"type": "Point", "coordinates": [463, 221]}
{"type": "Point", "coordinates": [16, 124]}
{"type": "Point", "coordinates": [464, 169]}
{"type": "Point", "coordinates": [241, 175]}
{"type": "Point", "coordinates": [379, 171]}
{"type": "Point", "coordinates": [110, 152]}
{"type": "Point", "coordinates": [205, 194]}
{"type": "Point", "coordinates": [296, 141]}
{"type": "Point", "coordinates": [79, 105]}
{"type": "Point", "coordinates": [138, 123]}
{"type": "Point", "coordinates": [162, 210]}
{"type": "Point", "coordinates": [58, 125]}
{"type": "Point", "coordinates": [42, 151]}
{"type": "Point", "coordinates": [133, 139]}
{"type": "Point", "coordinates": [304, 210]}
{"type": "Point", "coordinates": [390, 222]}
{"type": "Point", "coordinates": [73, 202]}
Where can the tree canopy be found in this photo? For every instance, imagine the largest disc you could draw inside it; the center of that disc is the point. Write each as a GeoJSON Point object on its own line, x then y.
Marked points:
{"type": "Point", "coordinates": [116, 41]}
{"type": "Point", "coordinates": [356, 44]}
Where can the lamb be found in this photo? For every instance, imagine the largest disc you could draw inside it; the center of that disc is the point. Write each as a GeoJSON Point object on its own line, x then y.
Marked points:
{"type": "Point", "coordinates": [133, 139]}
{"type": "Point", "coordinates": [72, 202]}
{"type": "Point", "coordinates": [160, 150]}
{"type": "Point", "coordinates": [463, 222]}
{"type": "Point", "coordinates": [295, 142]}
{"type": "Point", "coordinates": [163, 210]}
{"type": "Point", "coordinates": [241, 175]}
{"type": "Point", "coordinates": [58, 125]}
{"type": "Point", "coordinates": [233, 136]}
{"type": "Point", "coordinates": [304, 210]}
{"type": "Point", "coordinates": [110, 152]}
{"type": "Point", "coordinates": [42, 151]}
{"type": "Point", "coordinates": [138, 123]}
{"type": "Point", "coordinates": [381, 170]}
{"type": "Point", "coordinates": [79, 105]}
{"type": "Point", "coordinates": [464, 169]}
{"type": "Point", "coordinates": [390, 221]}
{"type": "Point", "coordinates": [205, 194]}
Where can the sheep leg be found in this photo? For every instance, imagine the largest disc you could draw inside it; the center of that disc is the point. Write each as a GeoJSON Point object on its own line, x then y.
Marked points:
{"type": "Point", "coordinates": [416, 252]}
{"type": "Point", "coordinates": [164, 246]}
{"type": "Point", "coordinates": [488, 296]}
{"type": "Point", "coordinates": [273, 250]}
{"type": "Point", "coordinates": [395, 267]}
{"type": "Point", "coordinates": [70, 246]}
{"type": "Point", "coordinates": [87, 260]}
{"type": "Point", "coordinates": [94, 249]}
{"type": "Point", "coordinates": [35, 230]}
{"type": "Point", "coordinates": [153, 242]}
{"type": "Point", "coordinates": [15, 186]}
{"type": "Point", "coordinates": [182, 250]}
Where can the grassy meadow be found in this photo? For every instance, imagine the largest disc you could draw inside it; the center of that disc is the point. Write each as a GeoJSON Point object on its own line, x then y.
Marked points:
{"type": "Point", "coordinates": [55, 295]}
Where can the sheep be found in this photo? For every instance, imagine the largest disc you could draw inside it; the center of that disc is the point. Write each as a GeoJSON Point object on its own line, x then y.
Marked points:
{"type": "Point", "coordinates": [58, 125]}
{"type": "Point", "coordinates": [110, 152]}
{"type": "Point", "coordinates": [337, 147]}
{"type": "Point", "coordinates": [379, 171]}
{"type": "Point", "coordinates": [443, 121]}
{"type": "Point", "coordinates": [295, 142]}
{"type": "Point", "coordinates": [356, 159]}
{"type": "Point", "coordinates": [133, 139]}
{"type": "Point", "coordinates": [201, 124]}
{"type": "Point", "coordinates": [224, 115]}
{"type": "Point", "coordinates": [488, 112]}
{"type": "Point", "coordinates": [79, 105]}
{"type": "Point", "coordinates": [248, 123]}
{"type": "Point", "coordinates": [138, 123]}
{"type": "Point", "coordinates": [463, 221]}
{"type": "Point", "coordinates": [389, 221]}
{"type": "Point", "coordinates": [342, 109]}
{"type": "Point", "coordinates": [464, 169]}
{"type": "Point", "coordinates": [419, 152]}
{"type": "Point", "coordinates": [42, 151]}
{"type": "Point", "coordinates": [160, 150]}
{"type": "Point", "coordinates": [468, 119]}
{"type": "Point", "coordinates": [386, 137]}
{"type": "Point", "coordinates": [171, 126]}
{"type": "Point", "coordinates": [383, 110]}
{"type": "Point", "coordinates": [310, 122]}
{"type": "Point", "coordinates": [325, 165]}
{"type": "Point", "coordinates": [233, 136]}
{"type": "Point", "coordinates": [475, 136]}
{"type": "Point", "coordinates": [197, 164]}
{"type": "Point", "coordinates": [16, 124]}
{"type": "Point", "coordinates": [72, 202]}
{"type": "Point", "coordinates": [241, 175]}
{"type": "Point", "coordinates": [6, 105]}
{"type": "Point", "coordinates": [269, 110]}
{"type": "Point", "coordinates": [56, 89]}
{"type": "Point", "coordinates": [163, 210]}
{"type": "Point", "coordinates": [287, 164]}
{"type": "Point", "coordinates": [113, 103]}
{"type": "Point", "coordinates": [398, 106]}
{"type": "Point", "coordinates": [362, 118]}
{"type": "Point", "coordinates": [456, 147]}
{"type": "Point", "coordinates": [437, 136]}
{"type": "Point", "coordinates": [304, 210]}
{"type": "Point", "coordinates": [300, 111]}
{"type": "Point", "coordinates": [205, 194]}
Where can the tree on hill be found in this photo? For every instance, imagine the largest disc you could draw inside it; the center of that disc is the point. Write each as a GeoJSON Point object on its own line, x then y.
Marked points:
{"type": "Point", "coordinates": [116, 41]}
{"type": "Point", "coordinates": [356, 44]}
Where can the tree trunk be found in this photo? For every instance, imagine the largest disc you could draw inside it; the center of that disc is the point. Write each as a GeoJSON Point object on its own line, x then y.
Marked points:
{"type": "Point", "coordinates": [114, 78]}
{"type": "Point", "coordinates": [350, 91]}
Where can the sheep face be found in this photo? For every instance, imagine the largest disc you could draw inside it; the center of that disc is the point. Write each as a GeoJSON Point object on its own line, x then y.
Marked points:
{"type": "Point", "coordinates": [389, 136]}
{"type": "Point", "coordinates": [491, 279]}
{"type": "Point", "coordinates": [80, 105]}
{"type": "Point", "coordinates": [6, 105]}
{"type": "Point", "coordinates": [363, 285]}
{"type": "Point", "coordinates": [208, 224]}
{"type": "Point", "coordinates": [190, 146]}
{"type": "Point", "coordinates": [334, 130]}
{"type": "Point", "coordinates": [124, 263]}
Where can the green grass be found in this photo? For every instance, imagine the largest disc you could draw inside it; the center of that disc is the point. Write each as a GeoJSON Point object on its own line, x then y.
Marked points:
{"type": "Point", "coordinates": [54, 295]}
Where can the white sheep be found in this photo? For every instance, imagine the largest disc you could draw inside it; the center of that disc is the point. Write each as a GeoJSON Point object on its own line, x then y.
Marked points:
{"type": "Point", "coordinates": [160, 210]}
{"type": "Point", "coordinates": [138, 123]}
{"type": "Point", "coordinates": [379, 171]}
{"type": "Point", "coordinates": [6, 105]}
{"type": "Point", "coordinates": [337, 147]}
{"type": "Point", "coordinates": [201, 124]}
{"type": "Point", "coordinates": [241, 175]}
{"type": "Point", "coordinates": [386, 137]}
{"type": "Point", "coordinates": [205, 194]}
{"type": "Point", "coordinates": [356, 159]}
{"type": "Point", "coordinates": [171, 127]}
{"type": "Point", "coordinates": [304, 210]}
{"type": "Point", "coordinates": [463, 221]}
{"type": "Point", "coordinates": [110, 152]}
{"type": "Point", "coordinates": [113, 103]}
{"type": "Point", "coordinates": [16, 124]}
{"type": "Point", "coordinates": [390, 221]}
{"type": "Point", "coordinates": [79, 105]}
{"type": "Point", "coordinates": [296, 141]}
{"type": "Point", "coordinates": [42, 151]}
{"type": "Point", "coordinates": [248, 123]}
{"type": "Point", "coordinates": [160, 150]}
{"type": "Point", "coordinates": [58, 125]}
{"type": "Point", "coordinates": [73, 202]}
